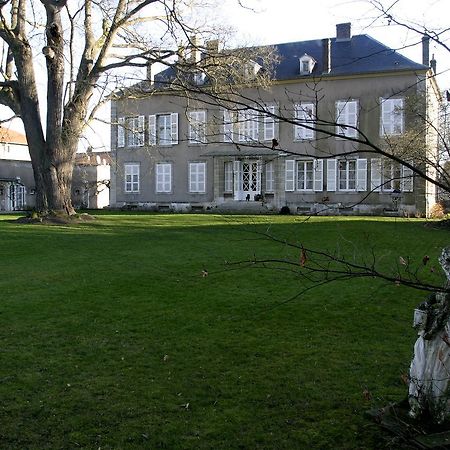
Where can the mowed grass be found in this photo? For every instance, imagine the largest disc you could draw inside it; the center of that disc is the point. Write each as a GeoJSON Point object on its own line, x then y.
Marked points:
{"type": "Point", "coordinates": [111, 338]}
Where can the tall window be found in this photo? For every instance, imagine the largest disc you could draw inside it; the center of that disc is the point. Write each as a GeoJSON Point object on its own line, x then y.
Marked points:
{"type": "Point", "coordinates": [228, 176]}
{"type": "Point", "coordinates": [304, 114]}
{"type": "Point", "coordinates": [131, 130]}
{"type": "Point", "coordinates": [197, 177]}
{"type": "Point", "coordinates": [248, 126]}
{"type": "Point", "coordinates": [197, 127]}
{"type": "Point", "coordinates": [347, 175]}
{"type": "Point", "coordinates": [270, 177]}
{"type": "Point", "coordinates": [305, 175]}
{"type": "Point", "coordinates": [347, 118]}
{"type": "Point", "coordinates": [163, 129]}
{"type": "Point", "coordinates": [164, 177]}
{"type": "Point", "coordinates": [392, 116]}
{"type": "Point", "coordinates": [131, 177]}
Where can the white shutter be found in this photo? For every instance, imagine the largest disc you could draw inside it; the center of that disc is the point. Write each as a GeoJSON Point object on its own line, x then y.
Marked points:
{"type": "Point", "coordinates": [269, 124]}
{"type": "Point", "coordinates": [269, 176]}
{"type": "Point", "coordinates": [289, 178]}
{"type": "Point", "coordinates": [227, 126]}
{"type": "Point", "coordinates": [121, 132]}
{"type": "Point", "coordinates": [375, 174]}
{"type": "Point", "coordinates": [237, 176]}
{"type": "Point", "coordinates": [406, 182]}
{"type": "Point", "coordinates": [152, 129]}
{"type": "Point", "coordinates": [361, 174]}
{"type": "Point", "coordinates": [318, 175]}
{"type": "Point", "coordinates": [331, 175]}
{"type": "Point", "coordinates": [174, 128]}
{"type": "Point", "coordinates": [141, 131]}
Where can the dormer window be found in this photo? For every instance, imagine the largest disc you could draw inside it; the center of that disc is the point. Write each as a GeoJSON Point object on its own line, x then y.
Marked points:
{"type": "Point", "coordinates": [251, 69]}
{"type": "Point", "coordinates": [307, 64]}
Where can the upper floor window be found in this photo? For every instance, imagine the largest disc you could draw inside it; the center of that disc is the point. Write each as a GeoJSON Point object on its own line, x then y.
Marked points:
{"type": "Point", "coordinates": [163, 129]}
{"type": "Point", "coordinates": [228, 125]}
{"type": "Point", "coordinates": [307, 64]}
{"type": "Point", "coordinates": [248, 126]}
{"type": "Point", "coordinates": [131, 130]}
{"type": "Point", "coordinates": [392, 116]}
{"type": "Point", "coordinates": [131, 178]}
{"type": "Point", "coordinates": [197, 127]}
{"type": "Point", "coordinates": [347, 118]}
{"type": "Point", "coordinates": [304, 114]}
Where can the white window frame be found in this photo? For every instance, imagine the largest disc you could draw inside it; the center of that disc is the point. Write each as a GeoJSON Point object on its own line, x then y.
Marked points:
{"type": "Point", "coordinates": [304, 113]}
{"type": "Point", "coordinates": [163, 121]}
{"type": "Point", "coordinates": [197, 177]}
{"type": "Point", "coordinates": [306, 168]}
{"type": "Point", "coordinates": [131, 178]}
{"type": "Point", "coordinates": [407, 179]}
{"type": "Point", "coordinates": [228, 176]}
{"type": "Point", "coordinates": [163, 178]}
{"type": "Point", "coordinates": [292, 178]}
{"type": "Point", "coordinates": [347, 183]}
{"type": "Point", "coordinates": [270, 176]}
{"type": "Point", "coordinates": [135, 131]}
{"type": "Point", "coordinates": [347, 118]}
{"type": "Point", "coordinates": [197, 127]}
{"type": "Point", "coordinates": [248, 125]}
{"type": "Point", "coordinates": [392, 116]}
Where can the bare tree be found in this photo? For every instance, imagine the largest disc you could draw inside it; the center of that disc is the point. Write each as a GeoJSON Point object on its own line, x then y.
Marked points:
{"type": "Point", "coordinates": [87, 45]}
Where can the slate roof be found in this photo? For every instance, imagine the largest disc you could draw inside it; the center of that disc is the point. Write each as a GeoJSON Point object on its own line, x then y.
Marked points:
{"type": "Point", "coordinates": [360, 55]}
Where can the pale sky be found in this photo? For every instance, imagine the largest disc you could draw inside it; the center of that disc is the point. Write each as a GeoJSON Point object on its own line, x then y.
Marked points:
{"type": "Point", "coordinates": [277, 21]}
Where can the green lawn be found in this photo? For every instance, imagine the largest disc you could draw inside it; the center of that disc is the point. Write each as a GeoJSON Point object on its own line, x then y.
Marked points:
{"type": "Point", "coordinates": [111, 338]}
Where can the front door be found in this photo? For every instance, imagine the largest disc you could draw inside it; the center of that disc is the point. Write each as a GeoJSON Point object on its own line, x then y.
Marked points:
{"type": "Point", "coordinates": [247, 179]}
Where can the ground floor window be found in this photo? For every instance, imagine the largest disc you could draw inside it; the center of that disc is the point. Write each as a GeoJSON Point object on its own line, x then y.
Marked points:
{"type": "Point", "coordinates": [197, 177]}
{"type": "Point", "coordinates": [164, 177]}
{"type": "Point", "coordinates": [305, 175]}
{"type": "Point", "coordinates": [347, 175]}
{"type": "Point", "coordinates": [131, 178]}
{"type": "Point", "coordinates": [17, 197]}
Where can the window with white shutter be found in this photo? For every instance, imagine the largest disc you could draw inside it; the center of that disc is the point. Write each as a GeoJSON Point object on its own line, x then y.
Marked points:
{"type": "Point", "coordinates": [347, 175]}
{"type": "Point", "coordinates": [163, 177]}
{"type": "Point", "coordinates": [347, 118]}
{"type": "Point", "coordinates": [305, 117]}
{"type": "Point", "coordinates": [135, 131]}
{"type": "Point", "coordinates": [318, 175]}
{"type": "Point", "coordinates": [248, 126]}
{"type": "Point", "coordinates": [392, 116]}
{"type": "Point", "coordinates": [197, 127]}
{"type": "Point", "coordinates": [163, 129]}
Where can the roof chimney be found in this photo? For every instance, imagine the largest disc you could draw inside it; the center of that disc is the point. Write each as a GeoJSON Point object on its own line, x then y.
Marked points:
{"type": "Point", "coordinates": [426, 50]}
{"type": "Point", "coordinates": [326, 55]}
{"type": "Point", "coordinates": [195, 50]}
{"type": "Point", "coordinates": [212, 47]}
{"type": "Point", "coordinates": [433, 65]}
{"type": "Point", "coordinates": [343, 32]}
{"type": "Point", "coordinates": [149, 71]}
